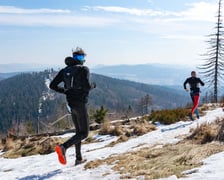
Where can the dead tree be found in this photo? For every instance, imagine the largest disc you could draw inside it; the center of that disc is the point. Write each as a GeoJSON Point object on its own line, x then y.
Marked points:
{"type": "Point", "coordinates": [144, 104]}
{"type": "Point", "coordinates": [213, 67]}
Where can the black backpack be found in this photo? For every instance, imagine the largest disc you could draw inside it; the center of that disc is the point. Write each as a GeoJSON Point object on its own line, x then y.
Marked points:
{"type": "Point", "coordinates": [72, 77]}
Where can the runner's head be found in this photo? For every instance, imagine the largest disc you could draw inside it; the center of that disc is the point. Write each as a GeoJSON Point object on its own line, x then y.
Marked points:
{"type": "Point", "coordinates": [79, 55]}
{"type": "Point", "coordinates": [193, 74]}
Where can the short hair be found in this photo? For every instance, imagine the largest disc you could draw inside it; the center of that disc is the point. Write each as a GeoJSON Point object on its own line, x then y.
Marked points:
{"type": "Point", "coordinates": [78, 50]}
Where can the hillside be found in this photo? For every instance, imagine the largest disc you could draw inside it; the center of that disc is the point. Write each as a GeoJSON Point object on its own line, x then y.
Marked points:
{"type": "Point", "coordinates": [25, 98]}
{"type": "Point", "coordinates": [118, 94]}
{"type": "Point", "coordinates": [170, 155]}
{"type": "Point", "coordinates": [20, 98]}
{"type": "Point", "coordinates": [7, 75]}
{"type": "Point", "coordinates": [24, 67]}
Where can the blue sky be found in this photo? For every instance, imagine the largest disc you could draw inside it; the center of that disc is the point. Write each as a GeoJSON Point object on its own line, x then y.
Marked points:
{"type": "Point", "coordinates": [110, 31]}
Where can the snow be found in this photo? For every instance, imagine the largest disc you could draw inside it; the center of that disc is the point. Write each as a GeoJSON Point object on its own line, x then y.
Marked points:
{"type": "Point", "coordinates": [47, 94]}
{"type": "Point", "coordinates": [47, 167]}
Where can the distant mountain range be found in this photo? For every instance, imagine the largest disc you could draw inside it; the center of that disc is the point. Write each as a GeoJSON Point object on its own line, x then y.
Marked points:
{"type": "Point", "coordinates": [17, 67]}
{"type": "Point", "coordinates": [159, 74]}
{"type": "Point", "coordinates": [7, 75]}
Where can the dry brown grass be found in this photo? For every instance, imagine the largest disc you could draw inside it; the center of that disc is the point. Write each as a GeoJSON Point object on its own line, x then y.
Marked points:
{"type": "Point", "coordinates": [127, 130]}
{"type": "Point", "coordinates": [106, 128]}
{"type": "Point", "coordinates": [142, 127]}
{"type": "Point", "coordinates": [17, 147]}
{"type": "Point", "coordinates": [135, 128]}
{"type": "Point", "coordinates": [90, 138]}
{"type": "Point", "coordinates": [114, 130]}
{"type": "Point", "coordinates": [205, 107]}
{"type": "Point", "coordinates": [20, 147]}
{"type": "Point", "coordinates": [220, 136]}
{"type": "Point", "coordinates": [206, 133]}
{"type": "Point", "coordinates": [121, 139]}
{"type": "Point", "coordinates": [155, 163]}
{"type": "Point", "coordinates": [210, 106]}
{"type": "Point", "coordinates": [203, 134]}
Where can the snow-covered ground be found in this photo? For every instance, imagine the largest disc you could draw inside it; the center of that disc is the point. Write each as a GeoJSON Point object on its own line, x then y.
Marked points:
{"type": "Point", "coordinates": [41, 167]}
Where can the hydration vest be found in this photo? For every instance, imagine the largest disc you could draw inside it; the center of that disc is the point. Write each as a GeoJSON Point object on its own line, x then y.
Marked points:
{"type": "Point", "coordinates": [72, 77]}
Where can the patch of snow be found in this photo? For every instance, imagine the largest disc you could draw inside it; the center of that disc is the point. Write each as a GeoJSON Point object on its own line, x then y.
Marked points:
{"type": "Point", "coordinates": [47, 166]}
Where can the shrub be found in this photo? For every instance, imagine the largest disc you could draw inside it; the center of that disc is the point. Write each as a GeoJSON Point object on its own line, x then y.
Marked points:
{"type": "Point", "coordinates": [100, 114]}
{"type": "Point", "coordinates": [206, 133]}
{"type": "Point", "coordinates": [168, 116]}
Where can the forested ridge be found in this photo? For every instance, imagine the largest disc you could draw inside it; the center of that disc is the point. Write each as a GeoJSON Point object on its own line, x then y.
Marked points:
{"type": "Point", "coordinates": [26, 97]}
{"type": "Point", "coordinates": [118, 94]}
{"type": "Point", "coordinates": [19, 98]}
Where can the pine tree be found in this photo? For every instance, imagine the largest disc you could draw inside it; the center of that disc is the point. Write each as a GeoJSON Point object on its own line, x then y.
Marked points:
{"type": "Point", "coordinates": [214, 65]}
{"type": "Point", "coordinates": [100, 115]}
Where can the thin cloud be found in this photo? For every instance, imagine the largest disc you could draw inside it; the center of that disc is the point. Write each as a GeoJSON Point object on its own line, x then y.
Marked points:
{"type": "Point", "coordinates": [201, 11]}
{"type": "Point", "coordinates": [56, 21]}
{"type": "Point", "coordinates": [16, 10]}
{"type": "Point", "coordinates": [145, 18]}
{"type": "Point", "coordinates": [131, 11]}
{"type": "Point", "coordinates": [14, 16]}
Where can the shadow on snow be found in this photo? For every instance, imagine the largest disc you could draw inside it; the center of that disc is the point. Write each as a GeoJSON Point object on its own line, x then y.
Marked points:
{"type": "Point", "coordinates": [42, 177]}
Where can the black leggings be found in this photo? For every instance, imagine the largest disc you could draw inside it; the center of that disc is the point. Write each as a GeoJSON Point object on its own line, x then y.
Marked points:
{"type": "Point", "coordinates": [81, 121]}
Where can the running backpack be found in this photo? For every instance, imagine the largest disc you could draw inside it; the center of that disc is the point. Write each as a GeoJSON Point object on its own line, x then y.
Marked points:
{"type": "Point", "coordinates": [72, 77]}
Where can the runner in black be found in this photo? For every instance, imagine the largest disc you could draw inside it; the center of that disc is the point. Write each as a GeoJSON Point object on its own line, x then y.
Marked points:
{"type": "Point", "coordinates": [194, 82]}
{"type": "Point", "coordinates": [75, 77]}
